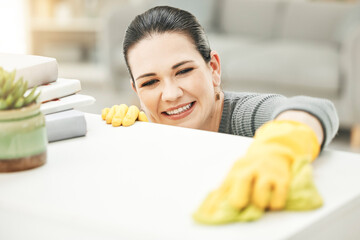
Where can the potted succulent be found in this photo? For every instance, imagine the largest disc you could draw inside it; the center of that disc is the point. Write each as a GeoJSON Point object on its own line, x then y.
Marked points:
{"type": "Point", "coordinates": [23, 138]}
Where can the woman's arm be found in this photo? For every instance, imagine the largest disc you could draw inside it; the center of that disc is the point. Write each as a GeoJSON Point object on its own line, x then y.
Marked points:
{"type": "Point", "coordinates": [249, 111]}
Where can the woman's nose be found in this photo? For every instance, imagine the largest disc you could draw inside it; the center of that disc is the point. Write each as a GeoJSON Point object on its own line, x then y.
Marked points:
{"type": "Point", "coordinates": [171, 92]}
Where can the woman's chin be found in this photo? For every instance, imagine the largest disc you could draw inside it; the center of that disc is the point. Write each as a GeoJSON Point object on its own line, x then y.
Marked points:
{"type": "Point", "coordinates": [186, 124]}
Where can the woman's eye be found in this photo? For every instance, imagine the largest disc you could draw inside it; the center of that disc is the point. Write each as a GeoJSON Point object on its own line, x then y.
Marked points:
{"type": "Point", "coordinates": [149, 83]}
{"type": "Point", "coordinates": [186, 70]}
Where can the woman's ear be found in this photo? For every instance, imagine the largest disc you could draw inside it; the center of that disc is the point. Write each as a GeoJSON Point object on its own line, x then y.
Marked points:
{"type": "Point", "coordinates": [215, 68]}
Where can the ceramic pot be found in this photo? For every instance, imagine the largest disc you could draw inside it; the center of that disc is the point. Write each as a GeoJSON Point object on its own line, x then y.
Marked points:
{"type": "Point", "coordinates": [23, 139]}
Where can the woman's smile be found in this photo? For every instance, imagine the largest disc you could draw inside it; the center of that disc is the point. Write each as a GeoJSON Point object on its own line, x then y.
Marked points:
{"type": "Point", "coordinates": [180, 111]}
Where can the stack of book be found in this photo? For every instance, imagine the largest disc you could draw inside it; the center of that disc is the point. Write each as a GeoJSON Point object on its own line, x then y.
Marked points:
{"type": "Point", "coordinates": [58, 96]}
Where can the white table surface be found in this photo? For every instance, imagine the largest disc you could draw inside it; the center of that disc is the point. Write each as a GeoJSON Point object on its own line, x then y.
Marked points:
{"type": "Point", "coordinates": [145, 181]}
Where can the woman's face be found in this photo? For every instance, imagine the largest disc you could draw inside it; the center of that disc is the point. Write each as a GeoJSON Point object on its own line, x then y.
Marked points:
{"type": "Point", "coordinates": [174, 83]}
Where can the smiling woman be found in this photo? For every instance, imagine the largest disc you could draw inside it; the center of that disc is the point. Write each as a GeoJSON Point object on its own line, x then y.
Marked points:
{"type": "Point", "coordinates": [177, 78]}
{"type": "Point", "coordinates": [174, 83]}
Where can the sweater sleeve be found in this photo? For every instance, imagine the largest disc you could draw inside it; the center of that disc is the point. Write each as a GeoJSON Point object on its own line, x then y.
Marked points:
{"type": "Point", "coordinates": [256, 109]}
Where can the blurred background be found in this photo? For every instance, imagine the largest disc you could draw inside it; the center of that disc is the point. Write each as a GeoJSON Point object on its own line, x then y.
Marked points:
{"type": "Point", "coordinates": [291, 47]}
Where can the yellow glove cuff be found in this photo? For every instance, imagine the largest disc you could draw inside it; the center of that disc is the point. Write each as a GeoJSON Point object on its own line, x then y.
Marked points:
{"type": "Point", "coordinates": [298, 136]}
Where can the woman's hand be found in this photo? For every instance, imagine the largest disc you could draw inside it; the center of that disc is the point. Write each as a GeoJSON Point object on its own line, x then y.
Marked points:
{"type": "Point", "coordinates": [263, 175]}
{"type": "Point", "coordinates": [263, 178]}
{"type": "Point", "coordinates": [119, 115]}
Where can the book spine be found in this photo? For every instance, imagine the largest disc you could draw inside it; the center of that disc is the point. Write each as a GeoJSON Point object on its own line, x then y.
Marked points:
{"type": "Point", "coordinates": [66, 103]}
{"type": "Point", "coordinates": [65, 125]}
{"type": "Point", "coordinates": [58, 89]}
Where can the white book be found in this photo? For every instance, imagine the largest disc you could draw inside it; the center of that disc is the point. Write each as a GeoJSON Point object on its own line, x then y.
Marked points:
{"type": "Point", "coordinates": [65, 125]}
{"type": "Point", "coordinates": [60, 88]}
{"type": "Point", "coordinates": [66, 103]}
{"type": "Point", "coordinates": [36, 70]}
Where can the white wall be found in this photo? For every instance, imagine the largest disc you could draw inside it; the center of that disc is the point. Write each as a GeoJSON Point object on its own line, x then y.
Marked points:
{"type": "Point", "coordinates": [12, 26]}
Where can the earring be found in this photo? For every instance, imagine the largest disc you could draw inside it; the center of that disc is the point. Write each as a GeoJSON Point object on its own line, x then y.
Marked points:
{"type": "Point", "coordinates": [217, 96]}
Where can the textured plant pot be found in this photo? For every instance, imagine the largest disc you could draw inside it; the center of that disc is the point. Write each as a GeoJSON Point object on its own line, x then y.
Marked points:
{"type": "Point", "coordinates": [23, 139]}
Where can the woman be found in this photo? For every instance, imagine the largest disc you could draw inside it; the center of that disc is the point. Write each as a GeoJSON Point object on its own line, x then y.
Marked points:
{"type": "Point", "coordinates": [177, 78]}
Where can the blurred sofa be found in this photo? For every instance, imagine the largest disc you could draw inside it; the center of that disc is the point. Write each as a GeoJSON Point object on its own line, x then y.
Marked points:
{"type": "Point", "coordinates": [273, 46]}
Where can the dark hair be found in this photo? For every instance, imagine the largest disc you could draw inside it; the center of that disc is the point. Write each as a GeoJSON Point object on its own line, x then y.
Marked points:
{"type": "Point", "coordinates": [164, 19]}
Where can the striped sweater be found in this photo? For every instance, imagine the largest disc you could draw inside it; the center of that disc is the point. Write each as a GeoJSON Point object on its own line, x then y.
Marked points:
{"type": "Point", "coordinates": [243, 113]}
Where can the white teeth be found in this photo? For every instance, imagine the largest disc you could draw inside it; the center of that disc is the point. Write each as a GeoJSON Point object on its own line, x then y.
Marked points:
{"type": "Point", "coordinates": [179, 110]}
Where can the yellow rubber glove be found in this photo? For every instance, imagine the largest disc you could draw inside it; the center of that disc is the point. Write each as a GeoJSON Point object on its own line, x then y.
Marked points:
{"type": "Point", "coordinates": [278, 159]}
{"type": "Point", "coordinates": [302, 196]}
{"type": "Point", "coordinates": [119, 115]}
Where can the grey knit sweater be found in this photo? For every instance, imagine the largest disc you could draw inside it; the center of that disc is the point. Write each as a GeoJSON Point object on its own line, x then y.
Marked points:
{"type": "Point", "coordinates": [244, 112]}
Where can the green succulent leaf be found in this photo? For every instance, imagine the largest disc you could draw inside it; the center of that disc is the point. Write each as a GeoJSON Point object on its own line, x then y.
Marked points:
{"type": "Point", "coordinates": [2, 104]}
{"type": "Point", "coordinates": [2, 79]}
{"type": "Point", "coordinates": [2, 95]}
{"type": "Point", "coordinates": [25, 87]}
{"type": "Point", "coordinates": [19, 103]}
{"type": "Point", "coordinates": [7, 86]}
{"type": "Point", "coordinates": [31, 97]}
{"type": "Point", "coordinates": [9, 101]}
{"type": "Point", "coordinates": [12, 92]}
{"type": "Point", "coordinates": [17, 84]}
{"type": "Point", "coordinates": [20, 90]}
